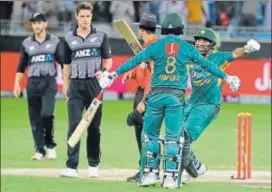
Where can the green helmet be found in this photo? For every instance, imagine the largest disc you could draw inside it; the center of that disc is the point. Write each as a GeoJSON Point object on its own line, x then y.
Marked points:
{"type": "Point", "coordinates": [172, 23]}
{"type": "Point", "coordinates": [206, 33]}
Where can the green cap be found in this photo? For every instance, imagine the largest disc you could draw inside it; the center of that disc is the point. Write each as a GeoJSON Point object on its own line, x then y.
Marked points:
{"type": "Point", "coordinates": [206, 33]}
{"type": "Point", "coordinates": [172, 22]}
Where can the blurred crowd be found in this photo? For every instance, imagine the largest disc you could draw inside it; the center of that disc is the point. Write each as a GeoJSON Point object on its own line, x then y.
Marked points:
{"type": "Point", "coordinates": [220, 13]}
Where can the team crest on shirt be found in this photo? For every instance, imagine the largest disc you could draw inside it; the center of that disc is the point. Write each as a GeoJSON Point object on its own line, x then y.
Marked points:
{"type": "Point", "coordinates": [92, 40]}
{"type": "Point", "coordinates": [48, 46]}
{"type": "Point", "coordinates": [74, 43]}
{"type": "Point", "coordinates": [31, 48]}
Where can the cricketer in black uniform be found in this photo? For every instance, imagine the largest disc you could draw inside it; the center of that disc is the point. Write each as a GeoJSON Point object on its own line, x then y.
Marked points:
{"type": "Point", "coordinates": [86, 53]}
{"type": "Point", "coordinates": [39, 53]}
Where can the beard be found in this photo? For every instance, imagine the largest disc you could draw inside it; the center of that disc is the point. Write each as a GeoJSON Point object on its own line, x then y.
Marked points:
{"type": "Point", "coordinates": [38, 31]}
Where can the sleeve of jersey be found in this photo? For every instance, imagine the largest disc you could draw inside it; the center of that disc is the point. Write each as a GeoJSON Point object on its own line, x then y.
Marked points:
{"type": "Point", "coordinates": [206, 64]}
{"type": "Point", "coordinates": [105, 48]}
{"type": "Point", "coordinates": [228, 56]}
{"type": "Point", "coordinates": [67, 54]}
{"type": "Point", "coordinates": [58, 53]}
{"type": "Point", "coordinates": [23, 61]}
{"type": "Point", "coordinates": [136, 60]}
{"type": "Point", "coordinates": [224, 57]}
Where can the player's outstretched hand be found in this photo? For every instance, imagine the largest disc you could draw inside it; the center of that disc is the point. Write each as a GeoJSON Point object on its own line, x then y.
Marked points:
{"type": "Point", "coordinates": [234, 82]}
{"type": "Point", "coordinates": [251, 46]}
{"type": "Point", "coordinates": [126, 76]}
{"type": "Point", "coordinates": [107, 79]}
{"type": "Point", "coordinates": [17, 90]}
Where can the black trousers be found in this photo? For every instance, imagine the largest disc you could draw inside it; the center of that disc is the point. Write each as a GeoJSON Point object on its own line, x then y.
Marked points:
{"type": "Point", "coordinates": [138, 129]}
{"type": "Point", "coordinates": [41, 92]}
{"type": "Point", "coordinates": [80, 94]}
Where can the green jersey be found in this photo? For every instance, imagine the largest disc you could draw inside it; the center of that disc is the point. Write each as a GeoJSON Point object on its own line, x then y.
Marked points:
{"type": "Point", "coordinates": [206, 88]}
{"type": "Point", "coordinates": [170, 55]}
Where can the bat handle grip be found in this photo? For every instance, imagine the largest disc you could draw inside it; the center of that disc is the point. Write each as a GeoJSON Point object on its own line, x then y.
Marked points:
{"type": "Point", "coordinates": [100, 95]}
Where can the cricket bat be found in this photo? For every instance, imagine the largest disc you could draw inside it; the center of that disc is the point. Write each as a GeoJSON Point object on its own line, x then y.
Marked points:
{"type": "Point", "coordinates": [128, 35]}
{"type": "Point", "coordinates": [85, 121]}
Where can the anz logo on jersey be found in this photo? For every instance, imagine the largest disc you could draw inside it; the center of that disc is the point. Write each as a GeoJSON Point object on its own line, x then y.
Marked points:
{"type": "Point", "coordinates": [41, 58]}
{"type": "Point", "coordinates": [86, 53]}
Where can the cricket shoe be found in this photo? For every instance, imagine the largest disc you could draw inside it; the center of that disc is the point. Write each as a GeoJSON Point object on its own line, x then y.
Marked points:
{"type": "Point", "coordinates": [93, 172]}
{"type": "Point", "coordinates": [148, 179]}
{"type": "Point", "coordinates": [201, 170]}
{"type": "Point", "coordinates": [169, 182]}
{"type": "Point", "coordinates": [51, 154]}
{"type": "Point", "coordinates": [68, 172]}
{"type": "Point", "coordinates": [134, 178]}
{"type": "Point", "coordinates": [37, 156]}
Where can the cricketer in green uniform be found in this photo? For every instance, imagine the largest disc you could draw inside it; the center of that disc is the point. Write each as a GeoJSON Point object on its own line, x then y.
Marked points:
{"type": "Point", "coordinates": [166, 99]}
{"type": "Point", "coordinates": [204, 103]}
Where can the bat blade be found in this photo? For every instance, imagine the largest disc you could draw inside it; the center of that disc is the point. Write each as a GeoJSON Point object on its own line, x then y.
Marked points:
{"type": "Point", "coordinates": [128, 35]}
{"type": "Point", "coordinates": [85, 121]}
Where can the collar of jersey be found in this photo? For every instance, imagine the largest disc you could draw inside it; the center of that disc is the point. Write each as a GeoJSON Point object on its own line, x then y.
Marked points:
{"type": "Point", "coordinates": [75, 31]}
{"type": "Point", "coordinates": [47, 37]}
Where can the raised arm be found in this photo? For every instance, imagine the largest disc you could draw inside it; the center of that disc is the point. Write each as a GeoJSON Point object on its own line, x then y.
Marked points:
{"type": "Point", "coordinates": [233, 81]}
{"type": "Point", "coordinates": [136, 60]}
{"type": "Point", "coordinates": [107, 78]}
{"type": "Point", "coordinates": [251, 46]}
{"type": "Point", "coordinates": [238, 52]}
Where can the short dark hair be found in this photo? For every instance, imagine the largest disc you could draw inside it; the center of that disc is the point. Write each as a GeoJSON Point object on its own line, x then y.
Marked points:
{"type": "Point", "coordinates": [84, 6]}
{"type": "Point", "coordinates": [149, 30]}
{"type": "Point", "coordinates": [174, 31]}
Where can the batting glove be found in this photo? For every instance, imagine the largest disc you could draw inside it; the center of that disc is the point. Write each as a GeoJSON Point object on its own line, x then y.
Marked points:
{"type": "Point", "coordinates": [251, 46]}
{"type": "Point", "coordinates": [234, 82]}
{"type": "Point", "coordinates": [107, 79]}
